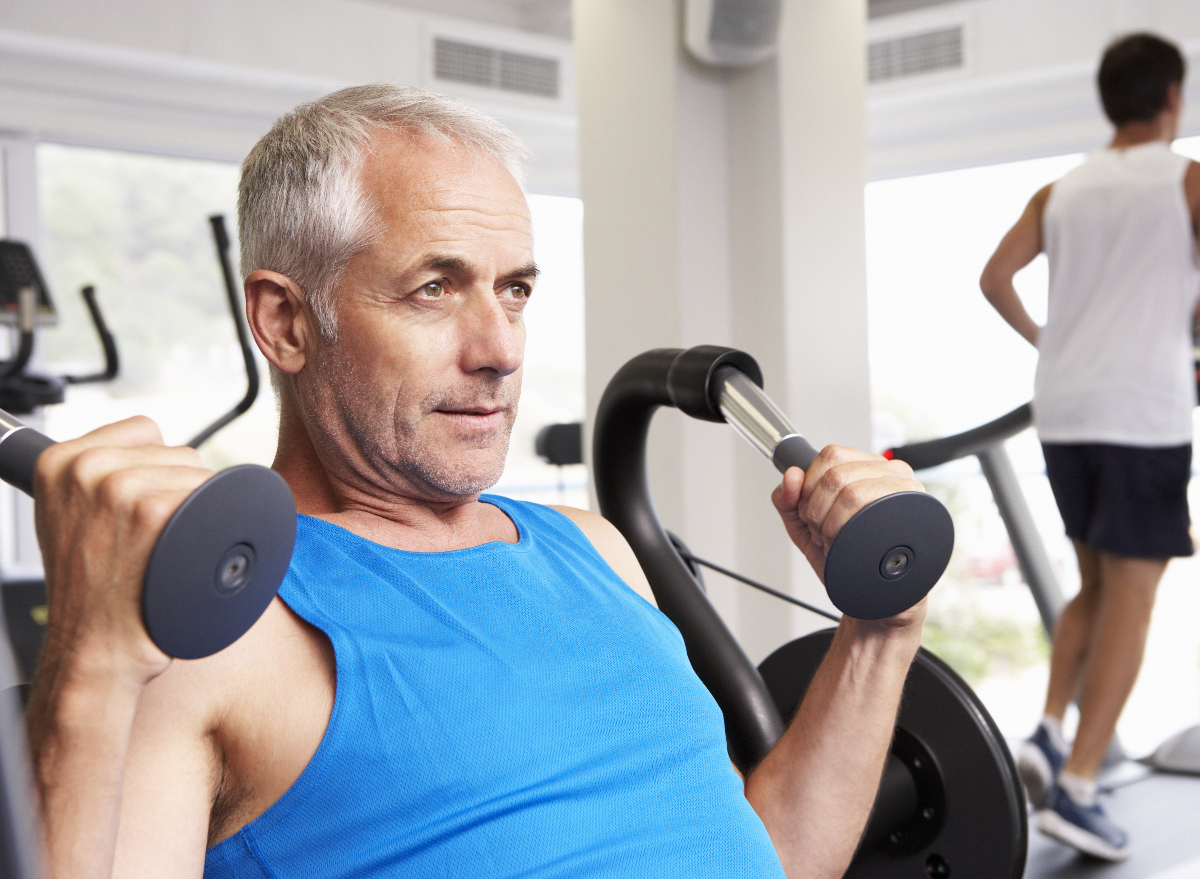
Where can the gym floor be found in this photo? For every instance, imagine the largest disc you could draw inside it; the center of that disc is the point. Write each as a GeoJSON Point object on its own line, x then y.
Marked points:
{"type": "Point", "coordinates": [1159, 810]}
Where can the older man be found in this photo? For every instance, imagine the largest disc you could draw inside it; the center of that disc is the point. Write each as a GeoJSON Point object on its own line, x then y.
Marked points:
{"type": "Point", "coordinates": [449, 683]}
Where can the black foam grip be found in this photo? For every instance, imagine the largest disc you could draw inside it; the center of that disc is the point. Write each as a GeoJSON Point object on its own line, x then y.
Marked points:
{"type": "Point", "coordinates": [932, 453]}
{"type": "Point", "coordinates": [19, 452]}
{"type": "Point", "coordinates": [793, 451]}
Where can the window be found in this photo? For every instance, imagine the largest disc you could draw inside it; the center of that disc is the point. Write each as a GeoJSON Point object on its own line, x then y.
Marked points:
{"type": "Point", "coordinates": [943, 361]}
{"type": "Point", "coordinates": [136, 226]}
{"type": "Point", "coordinates": [553, 386]}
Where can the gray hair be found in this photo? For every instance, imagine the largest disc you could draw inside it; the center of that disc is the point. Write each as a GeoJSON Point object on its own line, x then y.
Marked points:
{"type": "Point", "coordinates": [302, 209]}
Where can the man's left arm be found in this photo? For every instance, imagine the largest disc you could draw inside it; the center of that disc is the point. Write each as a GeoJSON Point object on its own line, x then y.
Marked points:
{"type": "Point", "coordinates": [815, 790]}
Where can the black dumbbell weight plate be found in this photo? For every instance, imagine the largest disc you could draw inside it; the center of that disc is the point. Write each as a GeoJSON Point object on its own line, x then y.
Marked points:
{"type": "Point", "coordinates": [889, 555]}
{"type": "Point", "coordinates": [219, 561]}
{"type": "Point", "coordinates": [983, 830]}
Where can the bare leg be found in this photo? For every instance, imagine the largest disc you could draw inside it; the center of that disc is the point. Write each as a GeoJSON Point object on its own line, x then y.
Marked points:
{"type": "Point", "coordinates": [1073, 634]}
{"type": "Point", "coordinates": [1128, 589]}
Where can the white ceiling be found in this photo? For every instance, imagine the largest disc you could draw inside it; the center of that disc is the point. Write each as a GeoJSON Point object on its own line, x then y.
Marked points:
{"type": "Point", "coordinates": [552, 17]}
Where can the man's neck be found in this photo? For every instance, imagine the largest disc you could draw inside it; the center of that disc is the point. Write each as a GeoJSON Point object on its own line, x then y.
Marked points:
{"type": "Point", "coordinates": [1160, 129]}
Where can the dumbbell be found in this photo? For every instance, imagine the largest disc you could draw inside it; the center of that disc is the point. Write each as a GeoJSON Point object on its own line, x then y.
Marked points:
{"type": "Point", "coordinates": [218, 562]}
{"type": "Point", "coordinates": [889, 554]}
{"type": "Point", "coordinates": [883, 560]}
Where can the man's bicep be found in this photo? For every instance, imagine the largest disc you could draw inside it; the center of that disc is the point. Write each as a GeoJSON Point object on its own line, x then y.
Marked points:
{"type": "Point", "coordinates": [613, 547]}
{"type": "Point", "coordinates": [170, 776]}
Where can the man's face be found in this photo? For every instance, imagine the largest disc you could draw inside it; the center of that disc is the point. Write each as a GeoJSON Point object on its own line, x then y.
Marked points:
{"type": "Point", "coordinates": [418, 395]}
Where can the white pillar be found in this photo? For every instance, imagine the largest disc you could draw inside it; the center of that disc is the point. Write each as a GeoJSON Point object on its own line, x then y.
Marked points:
{"type": "Point", "coordinates": [726, 207]}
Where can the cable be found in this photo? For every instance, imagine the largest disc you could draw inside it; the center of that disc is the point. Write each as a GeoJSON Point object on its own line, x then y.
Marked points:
{"type": "Point", "coordinates": [782, 595]}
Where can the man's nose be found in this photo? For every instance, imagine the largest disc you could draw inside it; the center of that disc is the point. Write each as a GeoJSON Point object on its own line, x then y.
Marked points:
{"type": "Point", "coordinates": [493, 341]}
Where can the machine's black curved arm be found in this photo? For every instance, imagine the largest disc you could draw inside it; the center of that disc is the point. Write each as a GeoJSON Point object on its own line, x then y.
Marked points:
{"type": "Point", "coordinates": [752, 722]}
{"type": "Point", "coordinates": [112, 363]}
{"type": "Point", "coordinates": [931, 453]}
{"type": "Point", "coordinates": [221, 239]}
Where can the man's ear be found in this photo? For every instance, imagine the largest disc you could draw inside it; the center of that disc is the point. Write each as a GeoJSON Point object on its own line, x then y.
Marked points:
{"type": "Point", "coordinates": [279, 318]}
{"type": "Point", "coordinates": [1174, 97]}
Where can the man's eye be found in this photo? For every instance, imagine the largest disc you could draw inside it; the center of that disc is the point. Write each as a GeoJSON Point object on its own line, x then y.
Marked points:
{"type": "Point", "coordinates": [519, 291]}
{"type": "Point", "coordinates": [433, 289]}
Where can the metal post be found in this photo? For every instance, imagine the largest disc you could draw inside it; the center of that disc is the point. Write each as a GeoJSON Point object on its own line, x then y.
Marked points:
{"type": "Point", "coordinates": [1027, 543]}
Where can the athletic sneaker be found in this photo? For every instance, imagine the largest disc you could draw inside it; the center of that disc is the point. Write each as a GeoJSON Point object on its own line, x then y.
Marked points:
{"type": "Point", "coordinates": [1038, 764]}
{"type": "Point", "coordinates": [1086, 828]}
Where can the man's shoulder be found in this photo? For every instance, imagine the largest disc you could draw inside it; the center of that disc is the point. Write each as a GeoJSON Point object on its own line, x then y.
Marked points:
{"type": "Point", "coordinates": [1037, 204]}
{"type": "Point", "coordinates": [613, 548]}
{"type": "Point", "coordinates": [602, 534]}
{"type": "Point", "coordinates": [585, 520]}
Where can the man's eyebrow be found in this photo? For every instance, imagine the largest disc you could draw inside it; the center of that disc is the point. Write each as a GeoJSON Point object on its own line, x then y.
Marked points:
{"type": "Point", "coordinates": [445, 264]}
{"type": "Point", "coordinates": [529, 270]}
{"type": "Point", "coordinates": [458, 264]}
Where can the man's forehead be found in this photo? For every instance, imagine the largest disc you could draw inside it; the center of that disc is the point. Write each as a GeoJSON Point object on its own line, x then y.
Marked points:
{"type": "Point", "coordinates": [423, 168]}
{"type": "Point", "coordinates": [446, 188]}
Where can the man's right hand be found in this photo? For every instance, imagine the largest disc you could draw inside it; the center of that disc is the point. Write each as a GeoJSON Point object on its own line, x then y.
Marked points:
{"type": "Point", "coordinates": [101, 502]}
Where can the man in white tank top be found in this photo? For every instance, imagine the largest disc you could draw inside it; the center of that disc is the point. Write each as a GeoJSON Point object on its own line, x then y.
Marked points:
{"type": "Point", "coordinates": [1113, 400]}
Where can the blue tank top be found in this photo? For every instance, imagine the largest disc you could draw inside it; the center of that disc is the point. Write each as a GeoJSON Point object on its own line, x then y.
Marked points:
{"type": "Point", "coordinates": [504, 710]}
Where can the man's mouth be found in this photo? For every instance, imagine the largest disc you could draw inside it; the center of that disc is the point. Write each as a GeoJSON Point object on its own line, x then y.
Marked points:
{"type": "Point", "coordinates": [474, 417]}
{"type": "Point", "coordinates": [477, 411]}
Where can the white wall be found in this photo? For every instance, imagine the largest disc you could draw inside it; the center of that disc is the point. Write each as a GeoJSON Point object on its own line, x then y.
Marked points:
{"type": "Point", "coordinates": [725, 207]}
{"type": "Point", "coordinates": [207, 79]}
{"type": "Point", "coordinates": [1027, 88]}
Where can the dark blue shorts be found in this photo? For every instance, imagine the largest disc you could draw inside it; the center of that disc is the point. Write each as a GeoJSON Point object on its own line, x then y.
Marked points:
{"type": "Point", "coordinates": [1124, 500]}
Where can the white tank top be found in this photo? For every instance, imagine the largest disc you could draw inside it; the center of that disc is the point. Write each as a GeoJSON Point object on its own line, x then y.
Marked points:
{"type": "Point", "coordinates": [1115, 356]}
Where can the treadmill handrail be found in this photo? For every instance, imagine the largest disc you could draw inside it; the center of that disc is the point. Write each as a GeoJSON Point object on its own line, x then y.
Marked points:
{"type": "Point", "coordinates": [931, 453]}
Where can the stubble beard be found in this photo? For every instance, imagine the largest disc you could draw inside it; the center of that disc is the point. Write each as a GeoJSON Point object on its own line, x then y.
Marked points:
{"type": "Point", "coordinates": [420, 458]}
{"type": "Point", "coordinates": [390, 441]}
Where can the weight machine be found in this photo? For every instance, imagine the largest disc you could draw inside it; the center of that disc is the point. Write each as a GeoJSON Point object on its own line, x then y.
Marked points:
{"type": "Point", "coordinates": [950, 802]}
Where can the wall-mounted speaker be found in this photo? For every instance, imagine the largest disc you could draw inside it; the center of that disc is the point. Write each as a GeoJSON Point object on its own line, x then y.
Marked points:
{"type": "Point", "coordinates": [731, 33]}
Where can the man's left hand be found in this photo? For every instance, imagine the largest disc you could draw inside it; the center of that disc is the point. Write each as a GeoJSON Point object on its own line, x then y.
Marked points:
{"type": "Point", "coordinates": [814, 505]}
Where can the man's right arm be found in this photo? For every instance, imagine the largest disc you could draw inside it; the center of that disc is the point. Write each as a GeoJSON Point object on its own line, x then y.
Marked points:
{"type": "Point", "coordinates": [101, 502]}
{"type": "Point", "coordinates": [1017, 249]}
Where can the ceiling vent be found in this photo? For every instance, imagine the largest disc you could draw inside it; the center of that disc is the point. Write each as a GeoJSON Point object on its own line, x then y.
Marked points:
{"type": "Point", "coordinates": [487, 67]}
{"type": "Point", "coordinates": [915, 54]}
